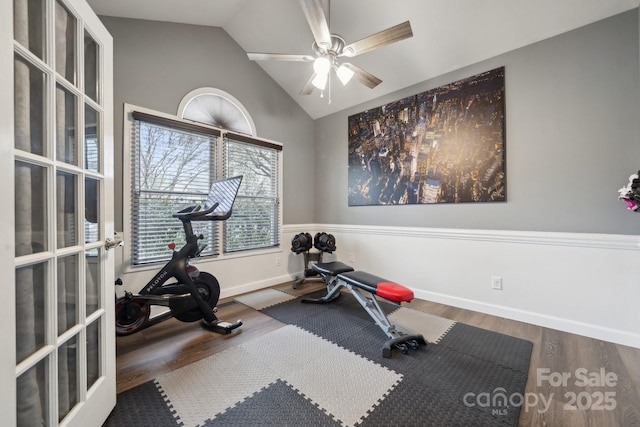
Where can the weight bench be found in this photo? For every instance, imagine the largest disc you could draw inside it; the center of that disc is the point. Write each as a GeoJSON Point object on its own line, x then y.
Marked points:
{"type": "Point", "coordinates": [365, 287]}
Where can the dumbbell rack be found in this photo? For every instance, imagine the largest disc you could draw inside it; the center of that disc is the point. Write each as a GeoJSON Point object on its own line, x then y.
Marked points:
{"type": "Point", "coordinates": [309, 272]}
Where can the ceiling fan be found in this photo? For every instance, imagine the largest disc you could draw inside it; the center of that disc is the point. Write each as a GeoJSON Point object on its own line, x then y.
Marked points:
{"type": "Point", "coordinates": [327, 48]}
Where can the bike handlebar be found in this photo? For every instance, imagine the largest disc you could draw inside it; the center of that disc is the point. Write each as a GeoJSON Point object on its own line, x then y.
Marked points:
{"type": "Point", "coordinates": [194, 213]}
{"type": "Point", "coordinates": [222, 190]}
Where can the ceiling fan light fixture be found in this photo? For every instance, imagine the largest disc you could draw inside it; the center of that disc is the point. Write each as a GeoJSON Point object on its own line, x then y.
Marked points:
{"type": "Point", "coordinates": [328, 47]}
{"type": "Point", "coordinates": [322, 65]}
{"type": "Point", "coordinates": [320, 81]}
{"type": "Point", "coordinates": [344, 74]}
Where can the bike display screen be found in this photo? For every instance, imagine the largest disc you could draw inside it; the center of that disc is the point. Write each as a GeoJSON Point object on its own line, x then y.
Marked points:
{"type": "Point", "coordinates": [223, 192]}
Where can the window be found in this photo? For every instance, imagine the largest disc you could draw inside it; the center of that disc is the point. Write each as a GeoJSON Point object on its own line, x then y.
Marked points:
{"type": "Point", "coordinates": [255, 221]}
{"type": "Point", "coordinates": [173, 164]}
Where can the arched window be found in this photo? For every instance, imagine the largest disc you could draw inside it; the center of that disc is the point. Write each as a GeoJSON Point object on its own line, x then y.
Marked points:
{"type": "Point", "coordinates": [174, 161]}
{"type": "Point", "coordinates": [217, 108]}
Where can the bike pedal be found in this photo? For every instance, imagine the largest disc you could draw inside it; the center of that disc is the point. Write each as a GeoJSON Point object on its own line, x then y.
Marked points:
{"type": "Point", "coordinates": [224, 328]}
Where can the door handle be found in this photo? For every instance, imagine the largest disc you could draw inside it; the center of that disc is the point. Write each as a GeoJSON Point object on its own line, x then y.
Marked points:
{"type": "Point", "coordinates": [111, 243]}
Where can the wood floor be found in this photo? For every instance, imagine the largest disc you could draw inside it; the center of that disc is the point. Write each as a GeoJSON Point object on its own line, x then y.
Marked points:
{"type": "Point", "coordinates": [587, 398]}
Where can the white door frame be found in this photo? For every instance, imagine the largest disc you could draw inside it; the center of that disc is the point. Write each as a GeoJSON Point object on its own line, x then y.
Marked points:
{"type": "Point", "coordinates": [7, 221]}
{"type": "Point", "coordinates": [95, 404]}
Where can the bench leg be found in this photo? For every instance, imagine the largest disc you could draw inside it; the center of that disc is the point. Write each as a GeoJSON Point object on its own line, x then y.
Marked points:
{"type": "Point", "coordinates": [397, 339]}
{"type": "Point", "coordinates": [403, 343]}
{"type": "Point", "coordinates": [333, 291]}
{"type": "Point", "coordinates": [371, 306]}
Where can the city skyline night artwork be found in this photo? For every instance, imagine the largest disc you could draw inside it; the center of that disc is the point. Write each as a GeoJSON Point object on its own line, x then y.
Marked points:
{"type": "Point", "coordinates": [445, 145]}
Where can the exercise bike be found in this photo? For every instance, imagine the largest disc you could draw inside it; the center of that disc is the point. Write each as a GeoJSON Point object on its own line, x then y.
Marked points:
{"type": "Point", "coordinates": [194, 294]}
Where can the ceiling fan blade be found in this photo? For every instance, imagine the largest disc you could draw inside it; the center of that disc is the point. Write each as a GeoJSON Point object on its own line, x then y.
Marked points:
{"type": "Point", "coordinates": [308, 86]}
{"type": "Point", "coordinates": [279, 57]}
{"type": "Point", "coordinates": [317, 20]}
{"type": "Point", "coordinates": [363, 76]}
{"type": "Point", "coordinates": [385, 37]}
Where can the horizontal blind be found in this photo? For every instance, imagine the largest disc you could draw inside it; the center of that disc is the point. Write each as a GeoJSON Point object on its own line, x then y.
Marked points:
{"type": "Point", "coordinates": [255, 222]}
{"type": "Point", "coordinates": [200, 128]}
{"type": "Point", "coordinates": [172, 168]}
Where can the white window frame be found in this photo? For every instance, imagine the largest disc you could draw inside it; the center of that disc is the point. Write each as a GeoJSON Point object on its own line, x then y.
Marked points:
{"type": "Point", "coordinates": [128, 125]}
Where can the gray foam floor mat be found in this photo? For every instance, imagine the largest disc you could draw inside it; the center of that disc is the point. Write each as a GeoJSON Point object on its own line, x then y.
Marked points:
{"type": "Point", "coordinates": [327, 368]}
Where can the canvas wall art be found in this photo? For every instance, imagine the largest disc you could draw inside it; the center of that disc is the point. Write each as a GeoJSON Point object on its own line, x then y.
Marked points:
{"type": "Point", "coordinates": [445, 145]}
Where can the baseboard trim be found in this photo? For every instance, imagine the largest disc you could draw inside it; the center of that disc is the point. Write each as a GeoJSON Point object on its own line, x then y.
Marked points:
{"type": "Point", "coordinates": [552, 322]}
{"type": "Point", "coordinates": [254, 286]}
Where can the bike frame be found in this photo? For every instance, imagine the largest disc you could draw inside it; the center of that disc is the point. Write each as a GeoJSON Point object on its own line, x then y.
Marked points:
{"type": "Point", "coordinates": [183, 296]}
{"type": "Point", "coordinates": [177, 263]}
{"type": "Point", "coordinates": [177, 268]}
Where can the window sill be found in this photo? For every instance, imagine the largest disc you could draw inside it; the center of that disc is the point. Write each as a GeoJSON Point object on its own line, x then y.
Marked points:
{"type": "Point", "coordinates": [128, 268]}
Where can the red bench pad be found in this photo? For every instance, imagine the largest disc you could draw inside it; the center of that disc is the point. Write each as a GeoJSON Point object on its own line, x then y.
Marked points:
{"type": "Point", "coordinates": [377, 285]}
{"type": "Point", "coordinates": [394, 292]}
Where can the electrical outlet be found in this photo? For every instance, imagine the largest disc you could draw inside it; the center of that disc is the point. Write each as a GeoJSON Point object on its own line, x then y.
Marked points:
{"type": "Point", "coordinates": [496, 283]}
{"type": "Point", "coordinates": [352, 257]}
{"type": "Point", "coordinates": [277, 261]}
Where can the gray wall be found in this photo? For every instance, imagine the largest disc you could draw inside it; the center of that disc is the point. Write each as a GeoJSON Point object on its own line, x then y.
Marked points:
{"type": "Point", "coordinates": [572, 115]}
{"type": "Point", "coordinates": [156, 64]}
{"type": "Point", "coordinates": [572, 140]}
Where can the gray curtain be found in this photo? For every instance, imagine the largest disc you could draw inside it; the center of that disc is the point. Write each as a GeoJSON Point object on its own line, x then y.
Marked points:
{"type": "Point", "coordinates": [66, 150]}
{"type": "Point", "coordinates": [29, 387]}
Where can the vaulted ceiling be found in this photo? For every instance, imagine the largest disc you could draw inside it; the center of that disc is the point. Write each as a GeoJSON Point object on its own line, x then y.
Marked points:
{"type": "Point", "coordinates": [447, 34]}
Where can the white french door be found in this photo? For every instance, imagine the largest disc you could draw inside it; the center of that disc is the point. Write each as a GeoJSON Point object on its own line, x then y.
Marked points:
{"type": "Point", "coordinates": [57, 366]}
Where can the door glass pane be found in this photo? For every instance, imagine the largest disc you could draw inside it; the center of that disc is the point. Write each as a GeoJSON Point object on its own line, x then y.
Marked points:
{"type": "Point", "coordinates": [33, 397]}
{"type": "Point", "coordinates": [90, 67]}
{"type": "Point", "coordinates": [93, 352]}
{"type": "Point", "coordinates": [65, 43]}
{"type": "Point", "coordinates": [31, 285]}
{"type": "Point", "coordinates": [91, 139]}
{"type": "Point", "coordinates": [29, 107]}
{"type": "Point", "coordinates": [66, 191]}
{"type": "Point", "coordinates": [66, 147]}
{"type": "Point", "coordinates": [28, 25]}
{"type": "Point", "coordinates": [91, 212]}
{"type": "Point", "coordinates": [92, 260]}
{"type": "Point", "coordinates": [30, 209]}
{"type": "Point", "coordinates": [67, 377]}
{"type": "Point", "coordinates": [67, 292]}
